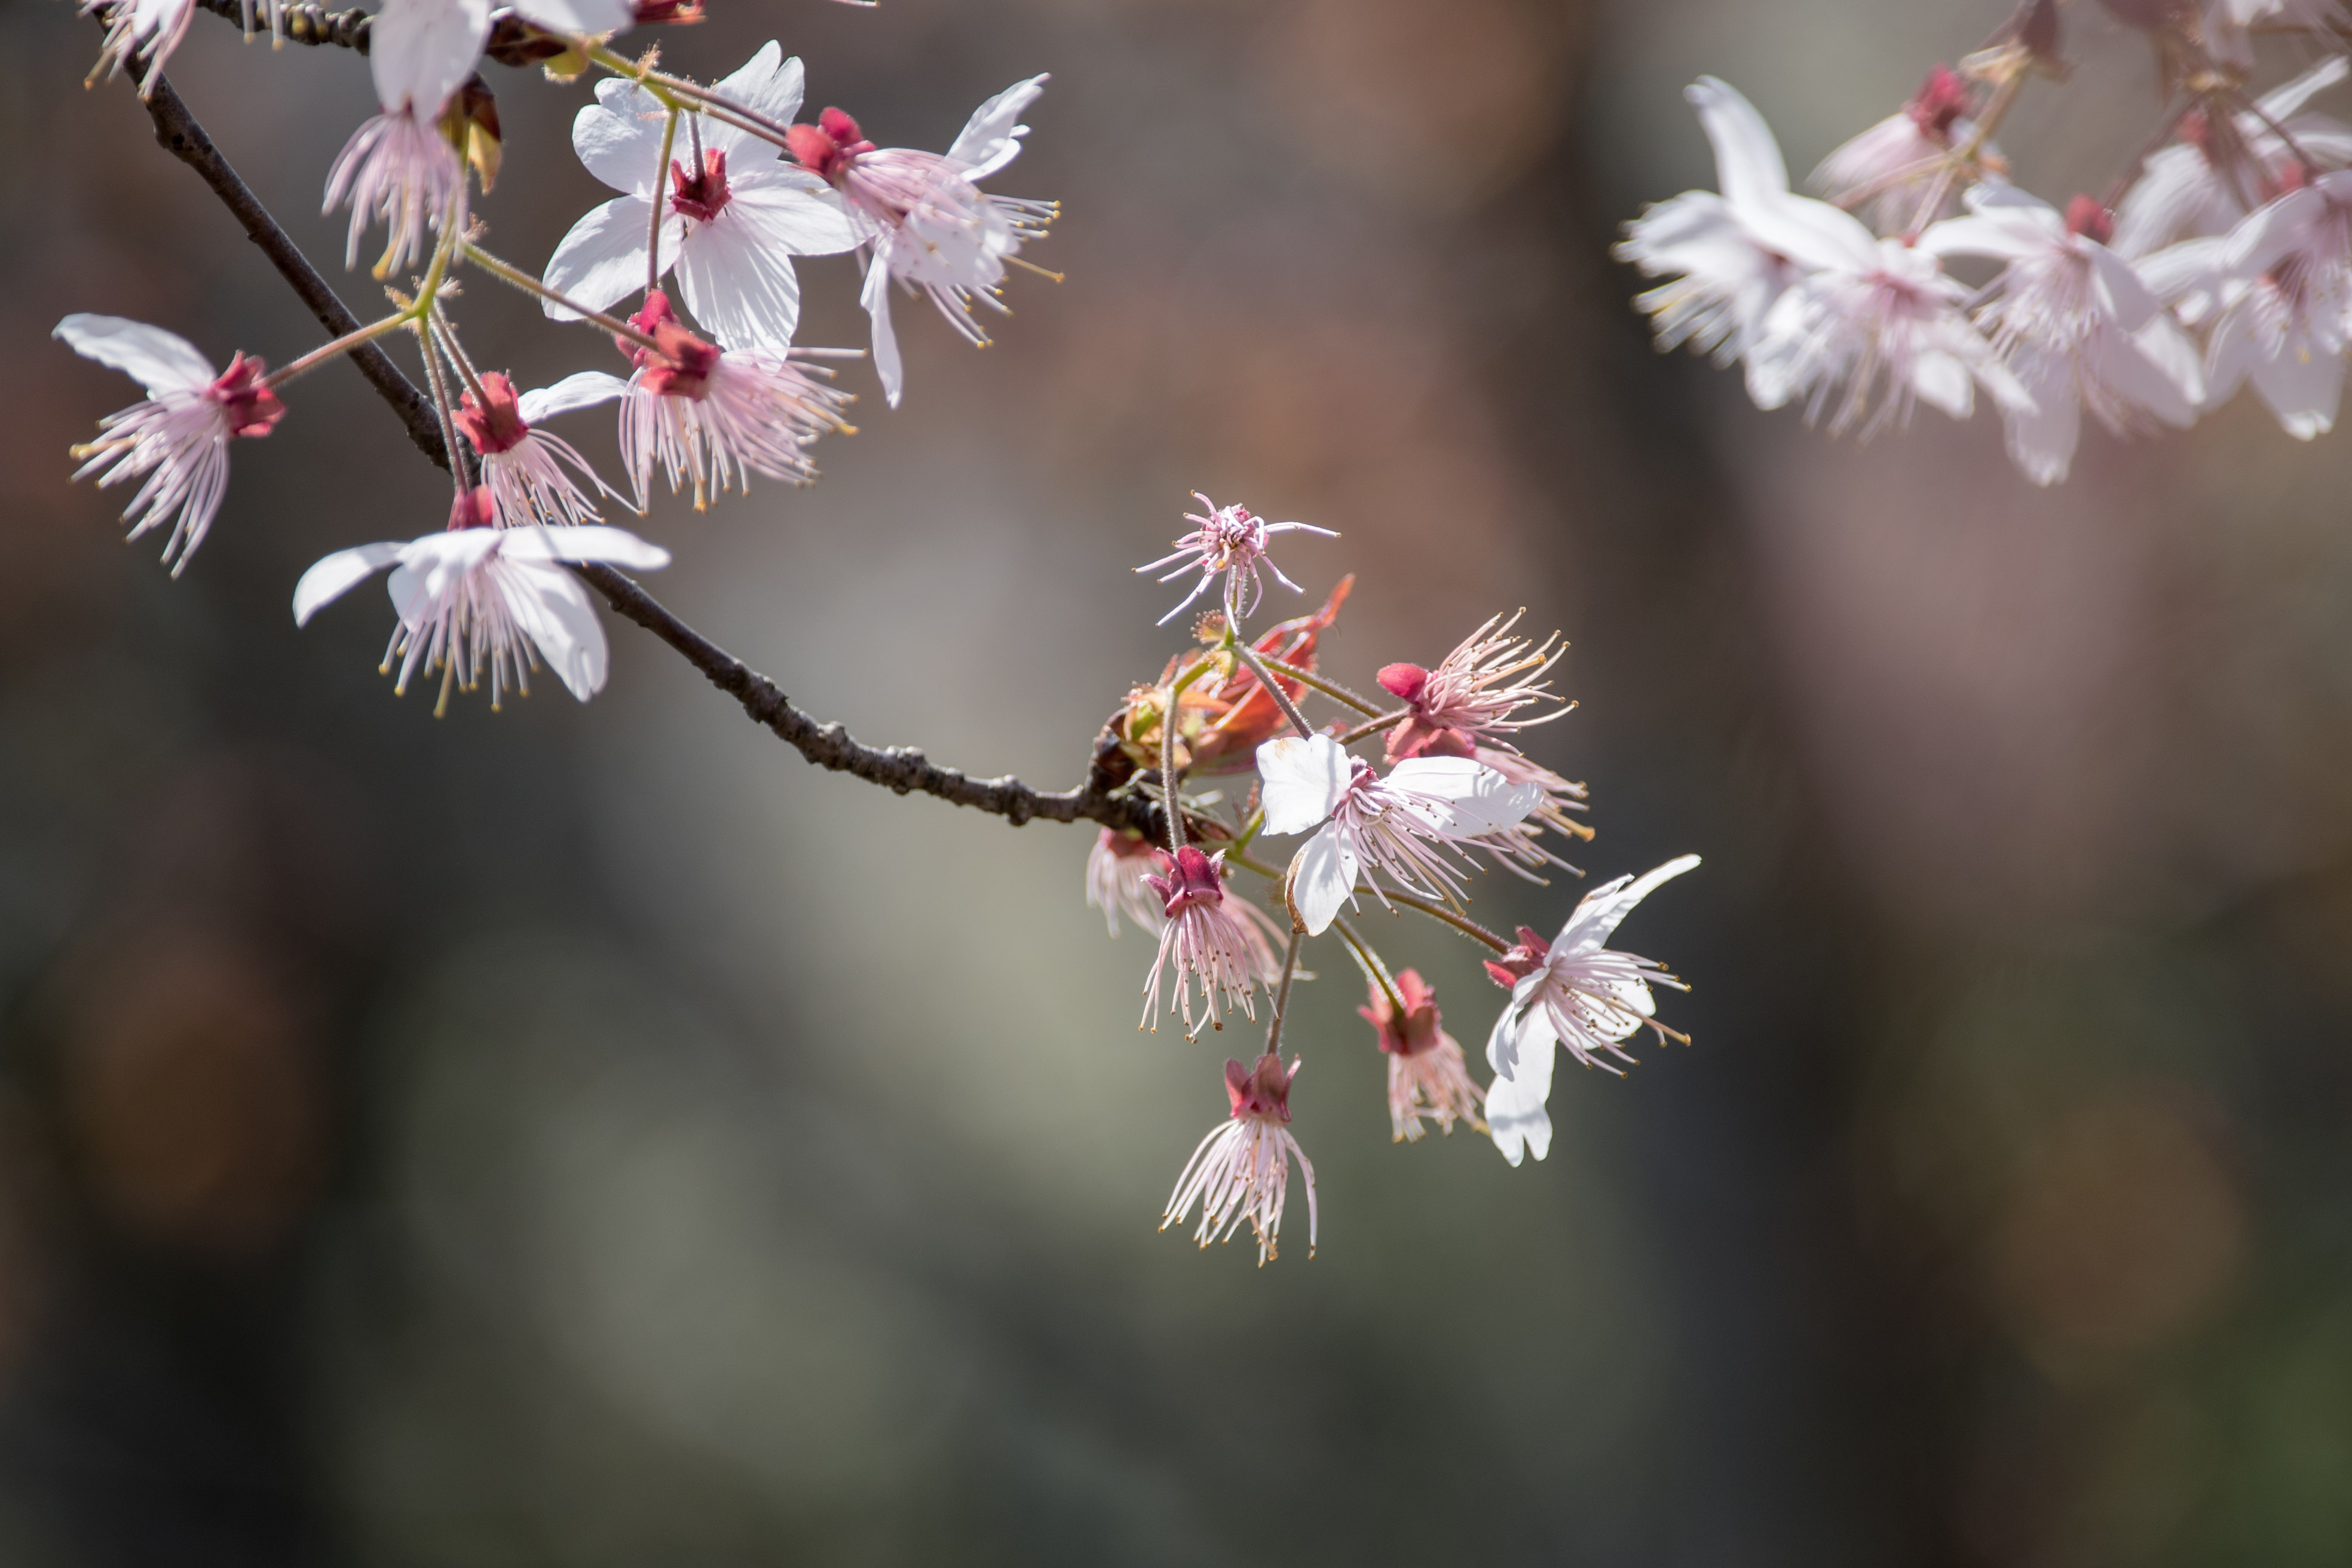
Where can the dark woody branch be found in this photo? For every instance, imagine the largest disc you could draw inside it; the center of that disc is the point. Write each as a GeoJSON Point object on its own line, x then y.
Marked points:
{"type": "Point", "coordinates": [1105, 796]}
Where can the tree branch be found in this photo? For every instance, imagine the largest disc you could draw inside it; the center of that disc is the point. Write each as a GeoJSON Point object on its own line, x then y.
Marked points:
{"type": "Point", "coordinates": [1104, 797]}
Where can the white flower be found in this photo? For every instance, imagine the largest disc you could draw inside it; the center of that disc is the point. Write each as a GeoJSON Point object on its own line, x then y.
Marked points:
{"type": "Point", "coordinates": [179, 437]}
{"type": "Point", "coordinates": [1230, 542]}
{"type": "Point", "coordinates": [2075, 322]}
{"type": "Point", "coordinates": [147, 30]}
{"type": "Point", "coordinates": [1401, 825]}
{"type": "Point", "coordinates": [1242, 1169]}
{"type": "Point", "coordinates": [399, 166]}
{"type": "Point", "coordinates": [2279, 290]}
{"type": "Point", "coordinates": [1578, 994]}
{"type": "Point", "coordinates": [1116, 867]}
{"type": "Point", "coordinates": [2199, 186]}
{"type": "Point", "coordinates": [471, 599]}
{"type": "Point", "coordinates": [1725, 276]}
{"type": "Point", "coordinates": [928, 224]}
{"type": "Point", "coordinates": [2230, 24]}
{"type": "Point", "coordinates": [524, 467]}
{"type": "Point", "coordinates": [1900, 158]}
{"type": "Point", "coordinates": [734, 215]}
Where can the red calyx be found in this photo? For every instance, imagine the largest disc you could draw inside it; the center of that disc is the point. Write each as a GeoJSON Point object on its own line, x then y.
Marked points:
{"type": "Point", "coordinates": [473, 508]}
{"type": "Point", "coordinates": [252, 409]}
{"type": "Point", "coordinates": [826, 147]}
{"type": "Point", "coordinates": [1263, 1091]}
{"type": "Point", "coordinates": [1521, 959]}
{"type": "Point", "coordinates": [1417, 1031]}
{"type": "Point", "coordinates": [494, 422]}
{"type": "Point", "coordinates": [1405, 682]}
{"type": "Point", "coordinates": [1941, 99]}
{"type": "Point", "coordinates": [1417, 736]}
{"type": "Point", "coordinates": [684, 362]}
{"type": "Point", "coordinates": [1191, 879]}
{"type": "Point", "coordinates": [2087, 217]}
{"type": "Point", "coordinates": [652, 13]}
{"type": "Point", "coordinates": [701, 196]}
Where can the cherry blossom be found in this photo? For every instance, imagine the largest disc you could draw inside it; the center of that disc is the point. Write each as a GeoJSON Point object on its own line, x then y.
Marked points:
{"type": "Point", "coordinates": [1205, 938]}
{"type": "Point", "coordinates": [1230, 542]}
{"type": "Point", "coordinates": [476, 598]}
{"type": "Point", "coordinates": [925, 220]}
{"type": "Point", "coordinates": [2229, 25]}
{"type": "Point", "coordinates": [178, 438]}
{"type": "Point", "coordinates": [718, 416]}
{"type": "Point", "coordinates": [1242, 1169]}
{"type": "Point", "coordinates": [2278, 292]}
{"type": "Point", "coordinates": [144, 30]}
{"type": "Point", "coordinates": [524, 467]}
{"type": "Point", "coordinates": [1116, 866]}
{"type": "Point", "coordinates": [2203, 183]}
{"type": "Point", "coordinates": [734, 215]}
{"type": "Point", "coordinates": [2076, 323]}
{"type": "Point", "coordinates": [1899, 159]}
{"type": "Point", "coordinates": [1573, 991]}
{"type": "Point", "coordinates": [1401, 826]}
{"type": "Point", "coordinates": [1427, 1077]}
{"type": "Point", "coordinates": [399, 166]}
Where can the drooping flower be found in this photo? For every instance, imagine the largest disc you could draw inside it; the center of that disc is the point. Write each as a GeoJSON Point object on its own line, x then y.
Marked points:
{"type": "Point", "coordinates": [734, 214]}
{"type": "Point", "coordinates": [400, 167]}
{"type": "Point", "coordinates": [178, 438]}
{"type": "Point", "coordinates": [2278, 293]}
{"type": "Point", "coordinates": [1573, 991]}
{"type": "Point", "coordinates": [2222, 167]}
{"type": "Point", "coordinates": [1117, 867]}
{"type": "Point", "coordinates": [523, 466]}
{"type": "Point", "coordinates": [1242, 1169]}
{"type": "Point", "coordinates": [1230, 542]}
{"type": "Point", "coordinates": [1888, 170]}
{"type": "Point", "coordinates": [475, 599]}
{"type": "Point", "coordinates": [924, 218]}
{"type": "Point", "coordinates": [143, 30]}
{"type": "Point", "coordinates": [1427, 1077]}
{"type": "Point", "coordinates": [1412, 827]}
{"type": "Point", "coordinates": [718, 416]}
{"type": "Point", "coordinates": [1204, 938]}
{"type": "Point", "coordinates": [1725, 273]}
{"type": "Point", "coordinates": [2075, 322]}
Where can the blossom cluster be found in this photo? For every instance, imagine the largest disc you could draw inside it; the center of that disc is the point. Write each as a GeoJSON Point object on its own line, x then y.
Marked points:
{"type": "Point", "coordinates": [1919, 272]}
{"type": "Point", "coordinates": [1450, 797]}
{"type": "Point", "coordinates": [721, 188]}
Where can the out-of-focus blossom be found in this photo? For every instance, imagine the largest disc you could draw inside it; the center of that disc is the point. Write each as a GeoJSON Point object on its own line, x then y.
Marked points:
{"type": "Point", "coordinates": [1230, 542]}
{"type": "Point", "coordinates": [718, 416]}
{"type": "Point", "coordinates": [927, 222]}
{"type": "Point", "coordinates": [735, 215]}
{"type": "Point", "coordinates": [523, 466]}
{"type": "Point", "coordinates": [1725, 274]}
{"type": "Point", "coordinates": [1242, 1169]}
{"type": "Point", "coordinates": [178, 438]}
{"type": "Point", "coordinates": [1238, 712]}
{"type": "Point", "coordinates": [1887, 171]}
{"type": "Point", "coordinates": [1200, 938]}
{"type": "Point", "coordinates": [2076, 323]}
{"type": "Point", "coordinates": [1402, 826]}
{"type": "Point", "coordinates": [399, 166]}
{"type": "Point", "coordinates": [476, 598]}
{"type": "Point", "coordinates": [2278, 293]}
{"type": "Point", "coordinates": [1427, 1077]}
{"type": "Point", "coordinates": [1574, 992]}
{"type": "Point", "coordinates": [2203, 183]}
{"type": "Point", "coordinates": [144, 30]}
{"type": "Point", "coordinates": [2230, 24]}
{"type": "Point", "coordinates": [1115, 869]}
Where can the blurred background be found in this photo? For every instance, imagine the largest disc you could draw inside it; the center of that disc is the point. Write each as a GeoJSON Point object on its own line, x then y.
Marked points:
{"type": "Point", "coordinates": [590, 1136]}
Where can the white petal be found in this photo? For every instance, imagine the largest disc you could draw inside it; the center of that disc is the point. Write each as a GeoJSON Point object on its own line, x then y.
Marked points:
{"type": "Point", "coordinates": [1322, 878]}
{"type": "Point", "coordinates": [2041, 439]}
{"type": "Point", "coordinates": [1601, 910]}
{"type": "Point", "coordinates": [2303, 386]}
{"type": "Point", "coordinates": [1748, 165]}
{"type": "Point", "coordinates": [794, 211]}
{"type": "Point", "coordinates": [2130, 301]}
{"type": "Point", "coordinates": [553, 608]}
{"type": "Point", "coordinates": [2167, 352]}
{"type": "Point", "coordinates": [1975, 236]}
{"type": "Point", "coordinates": [1303, 780]}
{"type": "Point", "coordinates": [585, 389]}
{"type": "Point", "coordinates": [742, 290]}
{"type": "Point", "coordinates": [1472, 797]}
{"type": "Point", "coordinates": [332, 576]}
{"type": "Point", "coordinates": [587, 542]}
{"type": "Point", "coordinates": [990, 140]}
{"type": "Point", "coordinates": [574, 18]}
{"type": "Point", "coordinates": [602, 260]}
{"type": "Point", "coordinates": [423, 50]}
{"type": "Point", "coordinates": [619, 137]}
{"type": "Point", "coordinates": [2283, 101]}
{"type": "Point", "coordinates": [159, 361]}
{"type": "Point", "coordinates": [769, 85]}
{"type": "Point", "coordinates": [1517, 1119]}
{"type": "Point", "coordinates": [877, 299]}
{"type": "Point", "coordinates": [1943, 379]}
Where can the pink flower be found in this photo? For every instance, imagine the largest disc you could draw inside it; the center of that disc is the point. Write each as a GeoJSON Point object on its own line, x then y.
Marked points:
{"type": "Point", "coordinates": [1241, 1170]}
{"type": "Point", "coordinates": [1412, 827]}
{"type": "Point", "coordinates": [1230, 541]}
{"type": "Point", "coordinates": [2199, 186]}
{"type": "Point", "coordinates": [1116, 867]}
{"type": "Point", "coordinates": [1202, 939]}
{"type": "Point", "coordinates": [476, 598]}
{"type": "Point", "coordinates": [928, 224]}
{"type": "Point", "coordinates": [146, 30]}
{"type": "Point", "coordinates": [523, 466]}
{"type": "Point", "coordinates": [178, 438]}
{"type": "Point", "coordinates": [1571, 992]}
{"type": "Point", "coordinates": [1899, 158]}
{"type": "Point", "coordinates": [720, 416]}
{"type": "Point", "coordinates": [399, 166]}
{"type": "Point", "coordinates": [734, 215]}
{"type": "Point", "coordinates": [1427, 1077]}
